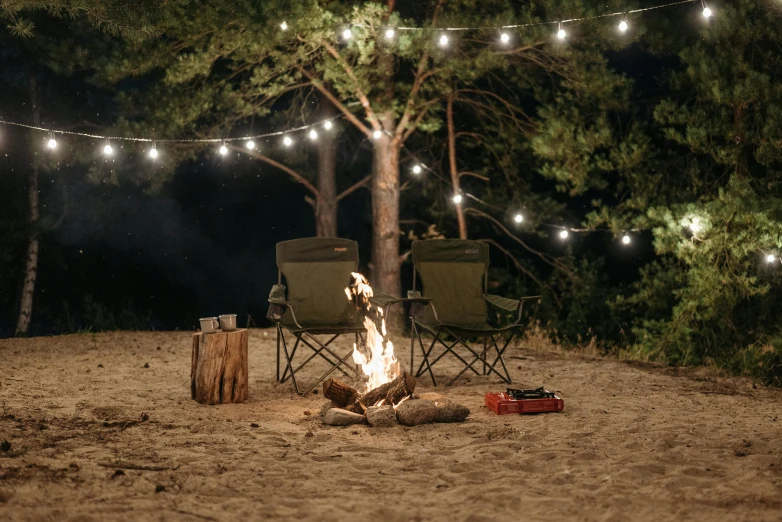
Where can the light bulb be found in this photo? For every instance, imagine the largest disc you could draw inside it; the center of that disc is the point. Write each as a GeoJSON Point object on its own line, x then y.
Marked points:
{"type": "Point", "coordinates": [377, 134]}
{"type": "Point", "coordinates": [52, 143]}
{"type": "Point", "coordinates": [443, 40]}
{"type": "Point", "coordinates": [626, 239]}
{"type": "Point", "coordinates": [347, 34]}
{"type": "Point", "coordinates": [706, 12]}
{"type": "Point", "coordinates": [313, 134]}
{"type": "Point", "coordinates": [518, 218]}
{"type": "Point", "coordinates": [223, 150]}
{"type": "Point", "coordinates": [770, 258]}
{"type": "Point", "coordinates": [561, 34]}
{"type": "Point", "coordinates": [107, 150]}
{"type": "Point", "coordinates": [390, 34]}
{"type": "Point", "coordinates": [695, 225]}
{"type": "Point", "coordinates": [417, 169]}
{"type": "Point", "coordinates": [250, 144]}
{"type": "Point", "coordinates": [153, 153]}
{"type": "Point", "coordinates": [284, 26]}
{"type": "Point", "coordinates": [623, 25]}
{"type": "Point", "coordinates": [505, 38]}
{"type": "Point", "coordinates": [563, 234]}
{"type": "Point", "coordinates": [457, 198]}
{"type": "Point", "coordinates": [328, 125]}
{"type": "Point", "coordinates": [287, 141]}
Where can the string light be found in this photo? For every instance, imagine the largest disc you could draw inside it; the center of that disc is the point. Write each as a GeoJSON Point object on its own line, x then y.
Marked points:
{"type": "Point", "coordinates": [328, 125]}
{"type": "Point", "coordinates": [223, 150]}
{"type": "Point", "coordinates": [52, 143]}
{"type": "Point", "coordinates": [563, 234]}
{"type": "Point", "coordinates": [250, 144]}
{"type": "Point", "coordinates": [313, 134]}
{"type": "Point", "coordinates": [706, 11]}
{"type": "Point", "coordinates": [153, 152]}
{"type": "Point", "coordinates": [457, 198]}
{"type": "Point", "coordinates": [443, 40]}
{"type": "Point", "coordinates": [390, 34]}
{"type": "Point", "coordinates": [284, 26]}
{"type": "Point", "coordinates": [417, 169]}
{"type": "Point", "coordinates": [626, 239]}
{"type": "Point", "coordinates": [287, 141]}
{"type": "Point", "coordinates": [695, 225]}
{"type": "Point", "coordinates": [518, 218]}
{"type": "Point", "coordinates": [347, 34]}
{"type": "Point", "coordinates": [561, 34]}
{"type": "Point", "coordinates": [505, 38]}
{"type": "Point", "coordinates": [623, 26]}
{"type": "Point", "coordinates": [770, 258]}
{"type": "Point", "coordinates": [377, 134]}
{"type": "Point", "coordinates": [107, 150]}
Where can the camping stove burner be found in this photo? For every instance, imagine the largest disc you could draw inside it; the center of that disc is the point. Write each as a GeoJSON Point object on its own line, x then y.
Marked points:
{"type": "Point", "coordinates": [538, 393]}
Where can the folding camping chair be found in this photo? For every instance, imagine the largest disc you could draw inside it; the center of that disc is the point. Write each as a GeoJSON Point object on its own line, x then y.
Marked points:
{"type": "Point", "coordinates": [453, 307]}
{"type": "Point", "coordinates": [316, 270]}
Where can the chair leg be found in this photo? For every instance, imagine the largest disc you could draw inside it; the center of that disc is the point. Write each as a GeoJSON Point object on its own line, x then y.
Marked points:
{"type": "Point", "coordinates": [424, 354]}
{"type": "Point", "coordinates": [484, 356]}
{"type": "Point", "coordinates": [500, 353]}
{"type": "Point", "coordinates": [279, 333]}
{"type": "Point", "coordinates": [285, 374]}
{"type": "Point", "coordinates": [288, 358]}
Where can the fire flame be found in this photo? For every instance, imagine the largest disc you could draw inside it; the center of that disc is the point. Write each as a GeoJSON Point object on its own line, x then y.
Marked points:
{"type": "Point", "coordinates": [377, 360]}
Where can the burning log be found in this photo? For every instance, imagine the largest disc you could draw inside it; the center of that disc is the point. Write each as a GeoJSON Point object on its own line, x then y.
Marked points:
{"type": "Point", "coordinates": [339, 392]}
{"type": "Point", "coordinates": [348, 398]}
{"type": "Point", "coordinates": [391, 392]}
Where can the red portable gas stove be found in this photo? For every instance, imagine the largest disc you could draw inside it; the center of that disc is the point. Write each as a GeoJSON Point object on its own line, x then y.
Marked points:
{"type": "Point", "coordinates": [523, 401]}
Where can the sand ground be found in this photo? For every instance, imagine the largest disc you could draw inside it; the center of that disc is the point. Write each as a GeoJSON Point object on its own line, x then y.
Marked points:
{"type": "Point", "coordinates": [635, 442]}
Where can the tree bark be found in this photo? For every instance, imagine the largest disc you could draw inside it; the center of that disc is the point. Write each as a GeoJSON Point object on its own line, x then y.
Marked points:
{"type": "Point", "coordinates": [326, 203]}
{"type": "Point", "coordinates": [454, 170]}
{"type": "Point", "coordinates": [218, 370]}
{"type": "Point", "coordinates": [340, 393]}
{"type": "Point", "coordinates": [31, 261]}
{"type": "Point", "coordinates": [385, 213]}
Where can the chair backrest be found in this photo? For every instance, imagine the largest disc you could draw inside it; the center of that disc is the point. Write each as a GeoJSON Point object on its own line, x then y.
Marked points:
{"type": "Point", "coordinates": [316, 272]}
{"type": "Point", "coordinates": [453, 275]}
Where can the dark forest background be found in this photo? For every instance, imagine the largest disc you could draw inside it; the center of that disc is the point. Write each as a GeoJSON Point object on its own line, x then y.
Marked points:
{"type": "Point", "coordinates": [678, 120]}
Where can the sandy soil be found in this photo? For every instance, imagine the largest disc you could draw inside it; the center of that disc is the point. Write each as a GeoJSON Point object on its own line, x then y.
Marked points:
{"type": "Point", "coordinates": [634, 442]}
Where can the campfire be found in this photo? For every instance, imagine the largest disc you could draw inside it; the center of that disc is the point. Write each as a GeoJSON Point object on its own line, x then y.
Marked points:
{"type": "Point", "coordinates": [388, 394]}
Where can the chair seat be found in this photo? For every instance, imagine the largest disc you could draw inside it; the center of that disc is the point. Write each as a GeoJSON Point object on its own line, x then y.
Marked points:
{"type": "Point", "coordinates": [322, 328]}
{"type": "Point", "coordinates": [477, 329]}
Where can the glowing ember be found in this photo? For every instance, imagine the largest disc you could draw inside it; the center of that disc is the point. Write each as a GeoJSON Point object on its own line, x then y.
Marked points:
{"type": "Point", "coordinates": [376, 358]}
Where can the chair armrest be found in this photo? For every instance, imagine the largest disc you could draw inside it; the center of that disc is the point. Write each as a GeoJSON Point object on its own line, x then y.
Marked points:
{"type": "Point", "coordinates": [509, 305]}
{"type": "Point", "coordinates": [414, 296]}
{"type": "Point", "coordinates": [383, 300]}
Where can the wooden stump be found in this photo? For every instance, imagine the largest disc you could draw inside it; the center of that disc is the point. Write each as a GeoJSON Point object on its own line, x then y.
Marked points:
{"type": "Point", "coordinates": [218, 373]}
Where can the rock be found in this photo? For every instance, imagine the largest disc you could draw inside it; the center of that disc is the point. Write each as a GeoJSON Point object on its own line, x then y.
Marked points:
{"type": "Point", "coordinates": [449, 411]}
{"type": "Point", "coordinates": [430, 396]}
{"type": "Point", "coordinates": [416, 411]}
{"type": "Point", "coordinates": [326, 407]}
{"type": "Point", "coordinates": [381, 416]}
{"type": "Point", "coordinates": [340, 417]}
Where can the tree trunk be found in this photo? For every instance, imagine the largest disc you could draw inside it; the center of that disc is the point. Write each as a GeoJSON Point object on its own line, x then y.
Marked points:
{"type": "Point", "coordinates": [326, 203]}
{"type": "Point", "coordinates": [454, 170]}
{"type": "Point", "coordinates": [385, 213]}
{"type": "Point", "coordinates": [218, 367]}
{"type": "Point", "coordinates": [31, 261]}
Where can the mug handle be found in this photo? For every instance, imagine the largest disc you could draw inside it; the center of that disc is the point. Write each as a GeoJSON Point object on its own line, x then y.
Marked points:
{"type": "Point", "coordinates": [215, 323]}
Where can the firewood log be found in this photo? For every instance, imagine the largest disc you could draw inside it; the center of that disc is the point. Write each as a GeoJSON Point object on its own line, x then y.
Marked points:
{"type": "Point", "coordinates": [391, 392]}
{"type": "Point", "coordinates": [339, 392]}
